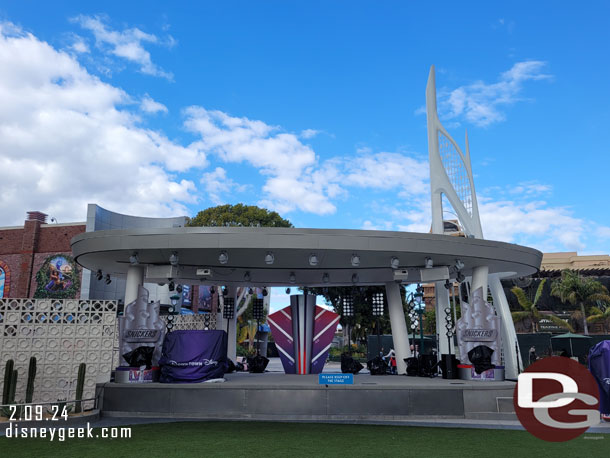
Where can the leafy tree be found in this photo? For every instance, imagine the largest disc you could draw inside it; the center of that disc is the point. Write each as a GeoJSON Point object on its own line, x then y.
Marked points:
{"type": "Point", "coordinates": [530, 311]}
{"type": "Point", "coordinates": [363, 322]}
{"type": "Point", "coordinates": [238, 215]}
{"type": "Point", "coordinates": [581, 291]}
{"type": "Point", "coordinates": [430, 322]}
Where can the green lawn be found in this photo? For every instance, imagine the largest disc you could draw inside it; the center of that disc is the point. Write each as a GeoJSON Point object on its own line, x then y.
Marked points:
{"type": "Point", "coordinates": [290, 440]}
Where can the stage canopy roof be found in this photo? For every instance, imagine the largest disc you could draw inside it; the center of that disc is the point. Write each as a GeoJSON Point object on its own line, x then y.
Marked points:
{"type": "Point", "coordinates": [305, 257]}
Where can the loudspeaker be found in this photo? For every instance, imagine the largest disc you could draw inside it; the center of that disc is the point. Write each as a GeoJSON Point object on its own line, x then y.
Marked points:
{"type": "Point", "coordinates": [428, 365]}
{"type": "Point", "coordinates": [412, 366]}
{"type": "Point", "coordinates": [449, 367]}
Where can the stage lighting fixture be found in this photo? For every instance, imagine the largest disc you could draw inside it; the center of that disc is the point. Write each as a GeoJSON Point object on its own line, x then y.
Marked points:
{"type": "Point", "coordinates": [355, 278]}
{"type": "Point", "coordinates": [265, 292]}
{"type": "Point", "coordinates": [292, 278]}
{"type": "Point", "coordinates": [171, 309]}
{"type": "Point", "coordinates": [355, 260]}
{"type": "Point", "coordinates": [223, 257]}
{"type": "Point", "coordinates": [459, 265]}
{"type": "Point", "coordinates": [258, 312]}
{"type": "Point", "coordinates": [269, 258]}
{"type": "Point", "coordinates": [171, 285]}
{"type": "Point", "coordinates": [179, 289]}
{"type": "Point", "coordinates": [287, 290]}
{"type": "Point", "coordinates": [377, 303]}
{"type": "Point", "coordinates": [313, 259]}
{"type": "Point", "coordinates": [224, 290]}
{"type": "Point", "coordinates": [429, 263]}
{"type": "Point", "coordinates": [460, 277]}
{"type": "Point", "coordinates": [99, 275]}
{"type": "Point", "coordinates": [447, 284]}
{"type": "Point", "coordinates": [394, 262]}
{"type": "Point", "coordinates": [108, 280]}
{"type": "Point", "coordinates": [170, 325]}
{"type": "Point", "coordinates": [325, 277]}
{"type": "Point", "coordinates": [133, 259]}
{"type": "Point", "coordinates": [348, 305]}
{"type": "Point", "coordinates": [247, 276]}
{"type": "Point", "coordinates": [170, 317]}
{"type": "Point", "coordinates": [212, 289]}
{"type": "Point", "coordinates": [228, 310]}
{"type": "Point", "coordinates": [173, 259]}
{"type": "Point", "coordinates": [250, 291]}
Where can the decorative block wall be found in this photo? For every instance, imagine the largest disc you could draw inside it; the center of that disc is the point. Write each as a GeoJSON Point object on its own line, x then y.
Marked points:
{"type": "Point", "coordinates": [61, 334]}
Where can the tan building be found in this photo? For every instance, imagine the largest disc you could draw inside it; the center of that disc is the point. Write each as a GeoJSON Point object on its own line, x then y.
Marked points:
{"type": "Point", "coordinates": [554, 263]}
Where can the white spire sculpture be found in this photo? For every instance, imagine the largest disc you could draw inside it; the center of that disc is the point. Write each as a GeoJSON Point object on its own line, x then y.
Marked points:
{"type": "Point", "coordinates": [450, 172]}
{"type": "Point", "coordinates": [451, 176]}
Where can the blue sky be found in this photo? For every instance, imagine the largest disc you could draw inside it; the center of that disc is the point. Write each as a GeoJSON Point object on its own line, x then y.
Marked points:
{"type": "Point", "coordinates": [310, 108]}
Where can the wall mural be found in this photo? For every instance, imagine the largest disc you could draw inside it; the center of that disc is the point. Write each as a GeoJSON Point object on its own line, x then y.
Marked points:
{"type": "Point", "coordinates": [5, 279]}
{"type": "Point", "coordinates": [58, 278]}
{"type": "Point", "coordinates": [2, 280]}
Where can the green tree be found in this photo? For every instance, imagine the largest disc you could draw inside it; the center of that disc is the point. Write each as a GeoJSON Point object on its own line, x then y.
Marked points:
{"type": "Point", "coordinates": [430, 322]}
{"type": "Point", "coordinates": [580, 291]}
{"type": "Point", "coordinates": [363, 322]}
{"type": "Point", "coordinates": [238, 215]}
{"type": "Point", "coordinates": [530, 311]}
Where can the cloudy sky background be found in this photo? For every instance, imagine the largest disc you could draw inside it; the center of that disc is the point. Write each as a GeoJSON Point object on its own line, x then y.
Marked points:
{"type": "Point", "coordinates": [313, 110]}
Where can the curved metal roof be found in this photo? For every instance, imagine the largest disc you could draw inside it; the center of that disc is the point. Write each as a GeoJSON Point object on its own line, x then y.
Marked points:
{"type": "Point", "coordinates": [199, 248]}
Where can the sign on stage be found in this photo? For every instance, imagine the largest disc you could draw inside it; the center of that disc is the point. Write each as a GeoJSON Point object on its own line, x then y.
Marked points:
{"type": "Point", "coordinates": [336, 379]}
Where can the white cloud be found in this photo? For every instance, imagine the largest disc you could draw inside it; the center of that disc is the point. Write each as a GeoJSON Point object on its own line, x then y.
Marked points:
{"type": "Point", "coordinates": [387, 171]}
{"type": "Point", "coordinates": [294, 180]}
{"type": "Point", "coordinates": [149, 105]}
{"type": "Point", "coordinates": [525, 221]}
{"type": "Point", "coordinates": [309, 133]}
{"type": "Point", "coordinates": [79, 45]}
{"type": "Point", "coordinates": [481, 103]}
{"type": "Point", "coordinates": [217, 183]}
{"type": "Point", "coordinates": [603, 232]}
{"type": "Point", "coordinates": [67, 142]}
{"type": "Point", "coordinates": [126, 44]}
{"type": "Point", "coordinates": [531, 188]}
{"type": "Point", "coordinates": [546, 227]}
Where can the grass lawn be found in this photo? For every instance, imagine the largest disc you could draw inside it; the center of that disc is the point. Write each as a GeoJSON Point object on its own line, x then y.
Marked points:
{"type": "Point", "coordinates": [254, 439]}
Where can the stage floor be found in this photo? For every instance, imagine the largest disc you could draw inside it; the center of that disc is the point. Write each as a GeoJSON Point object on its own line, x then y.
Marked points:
{"type": "Point", "coordinates": [277, 396]}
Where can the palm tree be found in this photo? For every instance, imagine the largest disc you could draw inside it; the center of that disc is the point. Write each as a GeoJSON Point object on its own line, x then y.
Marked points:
{"type": "Point", "coordinates": [531, 311]}
{"type": "Point", "coordinates": [581, 291]}
{"type": "Point", "coordinates": [600, 315]}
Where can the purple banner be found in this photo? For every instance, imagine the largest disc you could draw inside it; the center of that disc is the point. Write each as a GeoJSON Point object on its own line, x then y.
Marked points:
{"type": "Point", "coordinates": [599, 365]}
{"type": "Point", "coordinates": [193, 356]}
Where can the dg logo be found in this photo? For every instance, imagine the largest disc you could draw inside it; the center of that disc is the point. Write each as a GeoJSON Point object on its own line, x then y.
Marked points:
{"type": "Point", "coordinates": [556, 399]}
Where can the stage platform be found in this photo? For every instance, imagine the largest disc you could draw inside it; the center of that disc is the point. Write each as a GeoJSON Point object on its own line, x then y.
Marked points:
{"type": "Point", "coordinates": [276, 396]}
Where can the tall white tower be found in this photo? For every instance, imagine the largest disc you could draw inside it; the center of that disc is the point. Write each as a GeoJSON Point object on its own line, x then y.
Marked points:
{"type": "Point", "coordinates": [451, 177]}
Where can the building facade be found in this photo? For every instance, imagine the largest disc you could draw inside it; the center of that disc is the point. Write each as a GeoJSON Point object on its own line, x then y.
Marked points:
{"type": "Point", "coordinates": [36, 260]}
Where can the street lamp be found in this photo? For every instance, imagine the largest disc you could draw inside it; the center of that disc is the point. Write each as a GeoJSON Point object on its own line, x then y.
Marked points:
{"type": "Point", "coordinates": [347, 308]}
{"type": "Point", "coordinates": [228, 311]}
{"type": "Point", "coordinates": [258, 314]}
{"type": "Point", "coordinates": [377, 302]}
{"type": "Point", "coordinates": [417, 306]}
